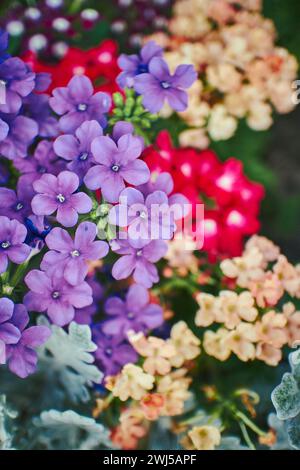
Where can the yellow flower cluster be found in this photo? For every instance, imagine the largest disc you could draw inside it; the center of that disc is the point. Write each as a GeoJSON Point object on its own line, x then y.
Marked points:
{"type": "Point", "coordinates": [251, 325]}
{"type": "Point", "coordinates": [159, 387]}
{"type": "Point", "coordinates": [242, 72]}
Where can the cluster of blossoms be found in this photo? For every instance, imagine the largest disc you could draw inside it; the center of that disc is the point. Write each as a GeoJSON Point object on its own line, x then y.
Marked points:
{"type": "Point", "coordinates": [70, 159]}
{"type": "Point", "coordinates": [254, 322]}
{"type": "Point", "coordinates": [231, 200]}
{"type": "Point", "coordinates": [156, 388]}
{"type": "Point", "coordinates": [242, 73]}
{"type": "Point", "coordinates": [98, 63]}
{"type": "Point", "coordinates": [43, 28]}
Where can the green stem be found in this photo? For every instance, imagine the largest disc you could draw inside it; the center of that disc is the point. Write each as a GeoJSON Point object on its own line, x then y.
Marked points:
{"type": "Point", "coordinates": [246, 436]}
{"type": "Point", "coordinates": [249, 423]}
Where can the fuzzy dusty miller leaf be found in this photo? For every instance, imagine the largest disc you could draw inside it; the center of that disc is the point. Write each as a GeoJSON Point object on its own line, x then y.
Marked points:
{"type": "Point", "coordinates": [67, 356]}
{"type": "Point", "coordinates": [231, 443]}
{"type": "Point", "coordinates": [6, 415]}
{"type": "Point", "coordinates": [68, 430]}
{"type": "Point", "coordinates": [282, 438]}
{"type": "Point", "coordinates": [286, 397]}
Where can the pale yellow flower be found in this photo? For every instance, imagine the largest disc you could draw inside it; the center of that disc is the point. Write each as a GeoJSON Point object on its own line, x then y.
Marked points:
{"type": "Point", "coordinates": [215, 345]}
{"type": "Point", "coordinates": [244, 268]}
{"type": "Point", "coordinates": [205, 316]}
{"type": "Point", "coordinates": [132, 382]}
{"type": "Point", "coordinates": [241, 340]}
{"type": "Point", "coordinates": [221, 126]}
{"type": "Point", "coordinates": [267, 248]}
{"type": "Point", "coordinates": [180, 254]}
{"type": "Point", "coordinates": [204, 437]}
{"type": "Point", "coordinates": [174, 388]}
{"type": "Point", "coordinates": [186, 344]}
{"type": "Point", "coordinates": [271, 329]}
{"type": "Point", "coordinates": [231, 308]}
{"type": "Point", "coordinates": [158, 353]}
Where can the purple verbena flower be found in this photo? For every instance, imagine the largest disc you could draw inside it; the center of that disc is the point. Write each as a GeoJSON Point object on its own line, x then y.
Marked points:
{"type": "Point", "coordinates": [135, 313]}
{"type": "Point", "coordinates": [84, 316]}
{"type": "Point", "coordinates": [3, 46]}
{"type": "Point", "coordinates": [146, 218]}
{"type": "Point", "coordinates": [77, 148]}
{"type": "Point", "coordinates": [21, 356]}
{"type": "Point", "coordinates": [112, 352]}
{"type": "Point", "coordinates": [36, 106]}
{"type": "Point", "coordinates": [12, 246]}
{"type": "Point", "coordinates": [178, 203]}
{"type": "Point", "coordinates": [18, 80]}
{"type": "Point", "coordinates": [56, 193]}
{"type": "Point", "coordinates": [69, 257]}
{"type": "Point", "coordinates": [16, 134]}
{"type": "Point", "coordinates": [138, 259]}
{"type": "Point", "coordinates": [9, 333]}
{"type": "Point", "coordinates": [159, 85]}
{"type": "Point", "coordinates": [133, 65]}
{"type": "Point", "coordinates": [44, 160]}
{"type": "Point", "coordinates": [4, 174]}
{"type": "Point", "coordinates": [54, 295]}
{"type": "Point", "coordinates": [117, 163]}
{"type": "Point", "coordinates": [16, 204]}
{"type": "Point", "coordinates": [76, 103]}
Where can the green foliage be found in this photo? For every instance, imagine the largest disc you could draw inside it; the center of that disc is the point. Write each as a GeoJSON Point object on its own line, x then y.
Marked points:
{"type": "Point", "coordinates": [68, 431]}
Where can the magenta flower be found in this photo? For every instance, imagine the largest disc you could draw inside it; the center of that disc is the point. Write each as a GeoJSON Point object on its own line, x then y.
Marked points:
{"type": "Point", "coordinates": [147, 218]}
{"type": "Point", "coordinates": [76, 149]}
{"type": "Point", "coordinates": [138, 260]}
{"type": "Point", "coordinates": [56, 193]}
{"type": "Point", "coordinates": [21, 356]}
{"type": "Point", "coordinates": [159, 85]}
{"type": "Point", "coordinates": [12, 246]}
{"type": "Point", "coordinates": [9, 333]}
{"type": "Point", "coordinates": [117, 163]}
{"type": "Point", "coordinates": [70, 256]}
{"type": "Point", "coordinates": [52, 294]}
{"type": "Point", "coordinates": [76, 103]}
{"type": "Point", "coordinates": [135, 313]}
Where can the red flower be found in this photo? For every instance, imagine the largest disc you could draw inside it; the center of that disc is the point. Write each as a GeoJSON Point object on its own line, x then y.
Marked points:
{"type": "Point", "coordinates": [232, 201]}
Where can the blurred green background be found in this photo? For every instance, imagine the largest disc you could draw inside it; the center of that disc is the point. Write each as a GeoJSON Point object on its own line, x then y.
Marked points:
{"type": "Point", "coordinates": [272, 157]}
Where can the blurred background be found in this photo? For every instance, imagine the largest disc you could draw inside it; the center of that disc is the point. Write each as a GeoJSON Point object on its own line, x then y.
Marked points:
{"type": "Point", "coordinates": [271, 157]}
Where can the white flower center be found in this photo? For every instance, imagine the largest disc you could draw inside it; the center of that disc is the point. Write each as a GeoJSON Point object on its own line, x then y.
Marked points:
{"type": "Point", "coordinates": [55, 294]}
{"type": "Point", "coordinates": [165, 85]}
{"type": "Point", "coordinates": [115, 168]}
{"type": "Point", "coordinates": [5, 245]}
{"type": "Point", "coordinates": [82, 107]}
{"type": "Point", "coordinates": [83, 156]}
{"type": "Point", "coordinates": [75, 253]}
{"type": "Point", "coordinates": [61, 198]}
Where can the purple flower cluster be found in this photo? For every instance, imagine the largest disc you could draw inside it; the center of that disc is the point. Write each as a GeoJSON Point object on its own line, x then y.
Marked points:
{"type": "Point", "coordinates": [18, 343]}
{"type": "Point", "coordinates": [62, 158]}
{"type": "Point", "coordinates": [150, 76]}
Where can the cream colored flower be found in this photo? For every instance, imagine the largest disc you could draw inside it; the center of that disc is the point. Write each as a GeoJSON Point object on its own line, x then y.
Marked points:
{"type": "Point", "coordinates": [215, 345]}
{"type": "Point", "coordinates": [174, 388]}
{"type": "Point", "coordinates": [196, 138]}
{"type": "Point", "coordinates": [231, 308]}
{"type": "Point", "coordinates": [260, 116]}
{"type": "Point", "coordinates": [180, 255]}
{"type": "Point", "coordinates": [244, 268]}
{"type": "Point", "coordinates": [132, 382]}
{"type": "Point", "coordinates": [268, 354]}
{"type": "Point", "coordinates": [158, 353]}
{"type": "Point", "coordinates": [205, 316]}
{"type": "Point", "coordinates": [271, 329]}
{"type": "Point", "coordinates": [241, 340]}
{"type": "Point", "coordinates": [267, 248]}
{"type": "Point", "coordinates": [221, 126]}
{"type": "Point", "coordinates": [204, 437]}
{"type": "Point", "coordinates": [287, 274]}
{"type": "Point", "coordinates": [186, 344]}
{"type": "Point", "coordinates": [267, 291]}
{"type": "Point", "coordinates": [224, 77]}
{"type": "Point", "coordinates": [292, 324]}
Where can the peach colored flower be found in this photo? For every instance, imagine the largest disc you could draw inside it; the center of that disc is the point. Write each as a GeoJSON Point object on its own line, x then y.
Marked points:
{"type": "Point", "coordinates": [151, 405]}
{"type": "Point", "coordinates": [215, 344]}
{"type": "Point", "coordinates": [244, 269]}
{"type": "Point", "coordinates": [180, 255]}
{"type": "Point", "coordinates": [202, 438]}
{"type": "Point", "coordinates": [293, 324]}
{"type": "Point", "coordinates": [268, 354]}
{"type": "Point", "coordinates": [205, 316]}
{"type": "Point", "coordinates": [240, 341]}
{"type": "Point", "coordinates": [131, 429]}
{"type": "Point", "coordinates": [267, 248]}
{"type": "Point", "coordinates": [231, 308]}
{"type": "Point", "coordinates": [174, 388]}
{"type": "Point", "coordinates": [132, 382]}
{"type": "Point", "coordinates": [158, 353]}
{"type": "Point", "coordinates": [271, 329]}
{"type": "Point", "coordinates": [186, 344]}
{"type": "Point", "coordinates": [288, 275]}
{"type": "Point", "coordinates": [267, 291]}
